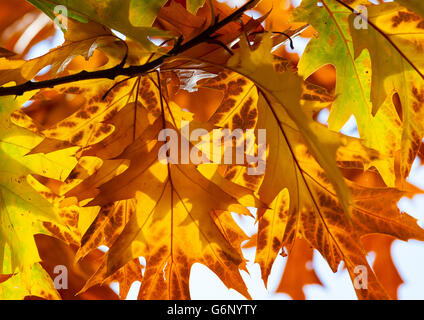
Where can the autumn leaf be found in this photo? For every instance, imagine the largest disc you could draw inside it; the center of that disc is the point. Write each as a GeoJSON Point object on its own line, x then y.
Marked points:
{"type": "Point", "coordinates": [298, 271]}
{"type": "Point", "coordinates": [132, 18]}
{"type": "Point", "coordinates": [22, 206]}
{"type": "Point", "coordinates": [313, 220]}
{"type": "Point", "coordinates": [401, 49]}
{"type": "Point", "coordinates": [414, 5]}
{"type": "Point", "coordinates": [178, 203]}
{"type": "Point", "coordinates": [314, 195]}
{"type": "Point", "coordinates": [55, 253]}
{"type": "Point", "coordinates": [383, 264]}
{"type": "Point", "coordinates": [79, 41]}
{"type": "Point", "coordinates": [34, 282]}
{"type": "Point", "coordinates": [108, 142]}
{"type": "Point", "coordinates": [334, 46]}
{"type": "Point", "coordinates": [285, 90]}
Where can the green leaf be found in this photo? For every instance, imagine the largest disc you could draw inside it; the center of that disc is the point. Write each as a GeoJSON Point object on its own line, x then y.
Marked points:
{"type": "Point", "coordinates": [143, 12]}
{"type": "Point", "coordinates": [21, 206]}
{"type": "Point", "coordinates": [194, 5]}
{"type": "Point", "coordinates": [39, 284]}
{"type": "Point", "coordinates": [394, 41]}
{"type": "Point", "coordinates": [48, 9]}
{"type": "Point", "coordinates": [129, 17]}
{"type": "Point", "coordinates": [334, 47]}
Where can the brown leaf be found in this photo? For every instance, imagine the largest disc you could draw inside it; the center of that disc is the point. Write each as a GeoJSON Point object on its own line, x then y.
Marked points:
{"type": "Point", "coordinates": [298, 271]}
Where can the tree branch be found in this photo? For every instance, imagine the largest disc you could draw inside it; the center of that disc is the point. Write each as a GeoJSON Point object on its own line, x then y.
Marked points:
{"type": "Point", "coordinates": [130, 71]}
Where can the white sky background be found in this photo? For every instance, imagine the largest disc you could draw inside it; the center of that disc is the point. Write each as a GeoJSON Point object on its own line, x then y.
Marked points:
{"type": "Point", "coordinates": [408, 256]}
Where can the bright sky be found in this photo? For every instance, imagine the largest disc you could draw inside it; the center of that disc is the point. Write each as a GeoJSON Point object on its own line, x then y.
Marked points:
{"type": "Point", "coordinates": [407, 256]}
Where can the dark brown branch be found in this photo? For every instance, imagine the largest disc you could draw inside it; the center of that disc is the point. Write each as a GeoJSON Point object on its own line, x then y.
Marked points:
{"type": "Point", "coordinates": [222, 45]}
{"type": "Point", "coordinates": [287, 36]}
{"type": "Point", "coordinates": [130, 71]}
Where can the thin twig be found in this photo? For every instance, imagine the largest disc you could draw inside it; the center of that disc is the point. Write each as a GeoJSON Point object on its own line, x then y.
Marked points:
{"type": "Point", "coordinates": [277, 32]}
{"type": "Point", "coordinates": [245, 34]}
{"type": "Point", "coordinates": [114, 86]}
{"type": "Point", "coordinates": [288, 37]}
{"type": "Point", "coordinates": [221, 44]}
{"type": "Point", "coordinates": [123, 63]}
{"type": "Point", "coordinates": [135, 108]}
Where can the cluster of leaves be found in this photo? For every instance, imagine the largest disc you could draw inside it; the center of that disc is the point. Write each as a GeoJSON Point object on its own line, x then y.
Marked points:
{"type": "Point", "coordinates": [80, 159]}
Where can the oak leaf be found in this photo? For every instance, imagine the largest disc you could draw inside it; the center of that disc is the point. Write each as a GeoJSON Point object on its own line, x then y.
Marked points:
{"type": "Point", "coordinates": [334, 46]}
{"type": "Point", "coordinates": [111, 163]}
{"type": "Point", "coordinates": [22, 207]}
{"type": "Point", "coordinates": [132, 18]}
{"type": "Point", "coordinates": [174, 207]}
{"type": "Point", "coordinates": [394, 32]}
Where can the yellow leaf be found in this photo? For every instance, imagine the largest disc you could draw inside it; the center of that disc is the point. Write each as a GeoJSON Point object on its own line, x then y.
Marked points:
{"type": "Point", "coordinates": [22, 208]}
{"type": "Point", "coordinates": [396, 34]}
{"type": "Point", "coordinates": [283, 91]}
